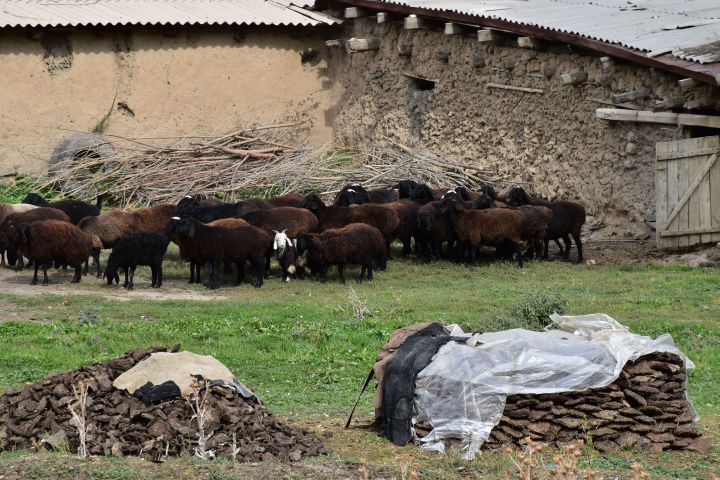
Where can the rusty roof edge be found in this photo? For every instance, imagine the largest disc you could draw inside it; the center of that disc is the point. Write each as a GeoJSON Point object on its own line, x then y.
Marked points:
{"type": "Point", "coordinates": [706, 73]}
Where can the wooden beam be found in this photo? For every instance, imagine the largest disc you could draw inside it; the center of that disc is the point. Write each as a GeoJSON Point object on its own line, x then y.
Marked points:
{"type": "Point", "coordinates": [454, 29]}
{"type": "Point", "coordinates": [355, 12]}
{"type": "Point", "coordinates": [668, 118]}
{"type": "Point", "coordinates": [486, 35]}
{"type": "Point", "coordinates": [383, 17]}
{"type": "Point", "coordinates": [691, 189]}
{"type": "Point", "coordinates": [687, 84]}
{"type": "Point", "coordinates": [573, 78]}
{"type": "Point", "coordinates": [690, 231]}
{"type": "Point", "coordinates": [414, 22]}
{"type": "Point", "coordinates": [527, 42]}
{"type": "Point", "coordinates": [631, 106]}
{"type": "Point", "coordinates": [404, 49]}
{"type": "Point", "coordinates": [362, 44]}
{"type": "Point", "coordinates": [511, 87]}
{"type": "Point", "coordinates": [630, 96]}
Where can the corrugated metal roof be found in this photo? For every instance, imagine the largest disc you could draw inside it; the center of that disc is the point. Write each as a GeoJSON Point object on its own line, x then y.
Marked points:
{"type": "Point", "coordinates": [656, 27]}
{"type": "Point", "coordinates": [72, 13]}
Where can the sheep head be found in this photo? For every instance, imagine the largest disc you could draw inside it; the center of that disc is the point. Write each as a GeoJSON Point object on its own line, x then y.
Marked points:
{"type": "Point", "coordinates": [517, 197]}
{"type": "Point", "coordinates": [35, 199]}
{"type": "Point", "coordinates": [312, 202]}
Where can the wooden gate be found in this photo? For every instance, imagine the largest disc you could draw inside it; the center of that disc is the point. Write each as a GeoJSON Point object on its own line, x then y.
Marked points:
{"type": "Point", "coordinates": [687, 192]}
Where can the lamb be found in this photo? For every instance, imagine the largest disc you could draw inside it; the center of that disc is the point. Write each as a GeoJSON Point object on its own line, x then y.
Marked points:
{"type": "Point", "coordinates": [407, 212]}
{"type": "Point", "coordinates": [28, 216]}
{"type": "Point", "coordinates": [484, 227]}
{"type": "Point", "coordinates": [75, 209]}
{"type": "Point", "coordinates": [356, 244]}
{"type": "Point", "coordinates": [188, 251]}
{"type": "Point", "coordinates": [381, 217]}
{"type": "Point", "coordinates": [5, 210]}
{"type": "Point", "coordinates": [567, 219]}
{"type": "Point", "coordinates": [287, 200]}
{"type": "Point", "coordinates": [286, 253]}
{"type": "Point", "coordinates": [106, 229]}
{"type": "Point", "coordinates": [53, 241]}
{"type": "Point", "coordinates": [133, 250]}
{"type": "Point", "coordinates": [221, 244]}
{"type": "Point", "coordinates": [189, 207]}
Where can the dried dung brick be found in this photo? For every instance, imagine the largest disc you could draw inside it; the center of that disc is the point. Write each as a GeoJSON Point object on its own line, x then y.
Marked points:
{"type": "Point", "coordinates": [606, 446]}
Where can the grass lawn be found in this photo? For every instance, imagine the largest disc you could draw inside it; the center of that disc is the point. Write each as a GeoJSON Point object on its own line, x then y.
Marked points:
{"type": "Point", "coordinates": [300, 348]}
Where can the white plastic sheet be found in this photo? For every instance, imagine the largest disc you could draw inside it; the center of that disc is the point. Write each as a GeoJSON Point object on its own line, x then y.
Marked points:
{"type": "Point", "coordinates": [462, 392]}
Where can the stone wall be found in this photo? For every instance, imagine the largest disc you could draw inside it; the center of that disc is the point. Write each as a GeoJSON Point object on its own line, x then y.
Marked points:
{"type": "Point", "coordinates": [550, 141]}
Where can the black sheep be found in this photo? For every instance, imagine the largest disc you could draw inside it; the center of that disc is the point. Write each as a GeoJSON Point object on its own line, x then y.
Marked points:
{"type": "Point", "coordinates": [137, 249]}
{"type": "Point", "coordinates": [190, 207]}
{"type": "Point", "coordinates": [75, 209]}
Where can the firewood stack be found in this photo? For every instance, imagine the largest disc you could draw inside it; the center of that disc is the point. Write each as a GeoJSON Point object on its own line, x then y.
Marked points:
{"type": "Point", "coordinates": [38, 416]}
{"type": "Point", "coordinates": [645, 409]}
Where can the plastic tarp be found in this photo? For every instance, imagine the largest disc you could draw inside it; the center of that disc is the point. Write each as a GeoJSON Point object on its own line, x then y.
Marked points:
{"type": "Point", "coordinates": [462, 392]}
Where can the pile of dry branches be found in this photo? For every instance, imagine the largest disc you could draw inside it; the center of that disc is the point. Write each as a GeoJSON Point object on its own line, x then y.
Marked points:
{"type": "Point", "coordinates": [260, 161]}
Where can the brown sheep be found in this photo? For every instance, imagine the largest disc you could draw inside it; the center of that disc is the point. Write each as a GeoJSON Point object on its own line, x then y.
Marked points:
{"type": "Point", "coordinates": [379, 216]}
{"type": "Point", "coordinates": [355, 244]}
{"type": "Point", "coordinates": [28, 216]}
{"type": "Point", "coordinates": [287, 200]}
{"type": "Point", "coordinates": [5, 210]}
{"type": "Point", "coordinates": [493, 226]}
{"type": "Point", "coordinates": [434, 229]}
{"type": "Point", "coordinates": [53, 241]}
{"type": "Point", "coordinates": [106, 229]}
{"type": "Point", "coordinates": [407, 212]}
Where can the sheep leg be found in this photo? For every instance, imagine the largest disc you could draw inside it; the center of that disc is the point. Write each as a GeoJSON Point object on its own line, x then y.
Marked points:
{"type": "Point", "coordinates": [2, 259]}
{"type": "Point", "coordinates": [34, 280]}
{"type": "Point", "coordinates": [214, 275]}
{"type": "Point", "coordinates": [259, 273]}
{"type": "Point", "coordinates": [96, 261]}
{"type": "Point", "coordinates": [545, 248]}
{"type": "Point", "coordinates": [341, 272]}
{"type": "Point", "coordinates": [267, 264]}
{"type": "Point", "coordinates": [559, 245]}
{"type": "Point", "coordinates": [153, 275]}
{"type": "Point", "coordinates": [578, 244]}
{"type": "Point", "coordinates": [227, 268]}
{"type": "Point", "coordinates": [46, 280]}
{"type": "Point", "coordinates": [78, 273]}
{"type": "Point", "coordinates": [132, 277]}
{"type": "Point", "coordinates": [240, 279]}
{"type": "Point", "coordinates": [369, 272]}
{"type": "Point", "coordinates": [407, 247]}
{"type": "Point", "coordinates": [568, 244]}
{"type": "Point", "coordinates": [159, 275]}
{"type": "Point", "coordinates": [127, 280]}
{"type": "Point", "coordinates": [518, 254]}
{"type": "Point", "coordinates": [362, 273]}
{"type": "Point", "coordinates": [20, 263]}
{"type": "Point", "coordinates": [87, 266]}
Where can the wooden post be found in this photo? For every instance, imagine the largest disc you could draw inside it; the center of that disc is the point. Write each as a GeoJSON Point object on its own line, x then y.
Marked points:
{"type": "Point", "coordinates": [404, 49]}
{"type": "Point", "coordinates": [355, 12]}
{"type": "Point", "coordinates": [630, 96]}
{"type": "Point", "coordinates": [442, 54]}
{"type": "Point", "coordinates": [687, 83]}
{"type": "Point", "coordinates": [486, 35]}
{"type": "Point", "coordinates": [383, 17]}
{"type": "Point", "coordinates": [453, 29]}
{"type": "Point", "coordinates": [668, 118]}
{"type": "Point", "coordinates": [511, 87]}
{"type": "Point", "coordinates": [362, 44]}
{"type": "Point", "coordinates": [527, 42]}
{"type": "Point", "coordinates": [573, 78]}
{"type": "Point", "coordinates": [414, 22]}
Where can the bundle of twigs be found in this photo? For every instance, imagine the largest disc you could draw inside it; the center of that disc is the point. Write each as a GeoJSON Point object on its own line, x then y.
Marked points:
{"type": "Point", "coordinates": [259, 161]}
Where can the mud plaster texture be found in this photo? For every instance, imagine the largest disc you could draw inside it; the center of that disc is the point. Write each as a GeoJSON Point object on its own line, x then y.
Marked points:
{"type": "Point", "coordinates": [156, 82]}
{"type": "Point", "coordinates": [551, 142]}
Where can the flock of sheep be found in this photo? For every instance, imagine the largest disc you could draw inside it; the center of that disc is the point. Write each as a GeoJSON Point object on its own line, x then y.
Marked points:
{"type": "Point", "coordinates": [300, 231]}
